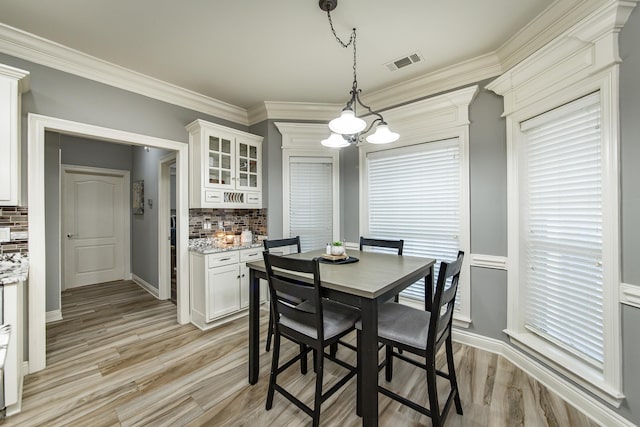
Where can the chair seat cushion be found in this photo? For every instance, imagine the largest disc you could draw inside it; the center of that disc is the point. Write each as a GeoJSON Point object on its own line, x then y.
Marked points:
{"type": "Point", "coordinates": [338, 318]}
{"type": "Point", "coordinates": [405, 325]}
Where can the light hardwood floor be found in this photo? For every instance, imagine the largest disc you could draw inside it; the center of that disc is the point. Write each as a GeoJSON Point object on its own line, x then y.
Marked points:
{"type": "Point", "coordinates": [120, 358]}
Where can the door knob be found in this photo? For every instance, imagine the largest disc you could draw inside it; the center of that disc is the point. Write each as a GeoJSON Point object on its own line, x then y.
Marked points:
{"type": "Point", "coordinates": [70, 236]}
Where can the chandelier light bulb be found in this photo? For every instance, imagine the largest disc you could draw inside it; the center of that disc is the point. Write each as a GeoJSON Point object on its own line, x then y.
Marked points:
{"type": "Point", "coordinates": [347, 123]}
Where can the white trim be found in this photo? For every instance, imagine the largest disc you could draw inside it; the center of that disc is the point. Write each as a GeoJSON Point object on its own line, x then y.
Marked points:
{"type": "Point", "coordinates": [488, 261]}
{"type": "Point", "coordinates": [53, 316]}
{"type": "Point", "coordinates": [145, 285]}
{"type": "Point", "coordinates": [440, 117]}
{"type": "Point", "coordinates": [572, 394]}
{"type": "Point", "coordinates": [583, 60]}
{"type": "Point", "coordinates": [126, 216]}
{"type": "Point", "coordinates": [630, 295]}
{"type": "Point", "coordinates": [293, 111]}
{"type": "Point", "coordinates": [164, 204]}
{"type": "Point", "coordinates": [16, 408]}
{"type": "Point", "coordinates": [36, 49]}
{"type": "Point", "coordinates": [37, 125]}
{"type": "Point", "coordinates": [555, 19]}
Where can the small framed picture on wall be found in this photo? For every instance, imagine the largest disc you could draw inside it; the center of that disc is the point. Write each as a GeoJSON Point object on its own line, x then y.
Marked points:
{"type": "Point", "coordinates": [137, 203]}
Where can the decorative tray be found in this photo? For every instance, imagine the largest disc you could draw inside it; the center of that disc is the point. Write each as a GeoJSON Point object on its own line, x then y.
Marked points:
{"type": "Point", "coordinates": [340, 260]}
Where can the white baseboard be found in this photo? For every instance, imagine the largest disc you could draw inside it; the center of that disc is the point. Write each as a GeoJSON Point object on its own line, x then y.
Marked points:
{"type": "Point", "coordinates": [575, 396]}
{"type": "Point", "coordinates": [16, 408]}
{"type": "Point", "coordinates": [145, 285]}
{"type": "Point", "coordinates": [54, 315]}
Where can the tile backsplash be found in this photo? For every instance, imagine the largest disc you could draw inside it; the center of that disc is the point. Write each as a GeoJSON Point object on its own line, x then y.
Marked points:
{"type": "Point", "coordinates": [235, 220]}
{"type": "Point", "coordinates": [17, 219]}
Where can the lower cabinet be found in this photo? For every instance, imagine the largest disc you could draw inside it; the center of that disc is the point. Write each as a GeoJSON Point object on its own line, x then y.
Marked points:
{"type": "Point", "coordinates": [220, 286]}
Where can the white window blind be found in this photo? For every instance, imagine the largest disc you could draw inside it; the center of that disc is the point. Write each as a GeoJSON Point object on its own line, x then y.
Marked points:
{"type": "Point", "coordinates": [562, 228]}
{"type": "Point", "coordinates": [414, 194]}
{"type": "Point", "coordinates": [311, 201]}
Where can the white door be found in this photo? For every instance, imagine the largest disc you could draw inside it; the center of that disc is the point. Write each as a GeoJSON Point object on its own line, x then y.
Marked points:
{"type": "Point", "coordinates": [93, 227]}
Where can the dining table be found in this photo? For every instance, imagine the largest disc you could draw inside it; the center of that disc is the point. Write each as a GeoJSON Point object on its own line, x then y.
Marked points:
{"type": "Point", "coordinates": [366, 284]}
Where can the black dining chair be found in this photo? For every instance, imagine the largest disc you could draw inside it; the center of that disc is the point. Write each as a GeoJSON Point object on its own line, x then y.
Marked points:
{"type": "Point", "coordinates": [315, 324]}
{"type": "Point", "coordinates": [422, 333]}
{"type": "Point", "coordinates": [281, 243]}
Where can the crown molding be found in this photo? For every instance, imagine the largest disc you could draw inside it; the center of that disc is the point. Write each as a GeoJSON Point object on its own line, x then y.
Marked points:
{"type": "Point", "coordinates": [36, 49]}
{"type": "Point", "coordinates": [276, 110]}
{"type": "Point", "coordinates": [544, 28]}
{"type": "Point", "coordinates": [552, 22]}
{"type": "Point", "coordinates": [574, 56]}
{"type": "Point", "coordinates": [458, 75]}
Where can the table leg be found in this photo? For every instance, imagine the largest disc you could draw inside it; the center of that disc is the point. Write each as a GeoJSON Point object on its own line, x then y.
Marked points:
{"type": "Point", "coordinates": [254, 327]}
{"type": "Point", "coordinates": [369, 359]}
{"type": "Point", "coordinates": [428, 289]}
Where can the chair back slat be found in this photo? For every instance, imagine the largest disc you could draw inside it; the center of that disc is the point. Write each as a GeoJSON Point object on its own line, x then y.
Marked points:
{"type": "Point", "coordinates": [382, 243]}
{"type": "Point", "coordinates": [279, 243]}
{"type": "Point", "coordinates": [444, 301]}
{"type": "Point", "coordinates": [283, 285]}
{"type": "Point", "coordinates": [289, 287]}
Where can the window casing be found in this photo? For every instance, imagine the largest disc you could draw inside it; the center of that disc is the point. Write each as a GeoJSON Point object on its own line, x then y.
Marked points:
{"type": "Point", "coordinates": [540, 84]}
{"type": "Point", "coordinates": [441, 122]}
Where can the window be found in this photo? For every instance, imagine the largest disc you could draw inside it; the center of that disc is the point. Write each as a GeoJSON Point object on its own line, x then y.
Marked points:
{"type": "Point", "coordinates": [310, 186]}
{"type": "Point", "coordinates": [417, 189]}
{"type": "Point", "coordinates": [311, 201]}
{"type": "Point", "coordinates": [561, 218]}
{"type": "Point", "coordinates": [414, 194]}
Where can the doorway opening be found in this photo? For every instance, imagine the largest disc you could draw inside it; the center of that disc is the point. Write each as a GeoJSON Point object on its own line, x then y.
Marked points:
{"type": "Point", "coordinates": [37, 126]}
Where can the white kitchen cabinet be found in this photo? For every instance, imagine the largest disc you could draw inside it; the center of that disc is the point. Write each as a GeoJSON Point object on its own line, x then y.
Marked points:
{"type": "Point", "coordinates": [13, 82]}
{"type": "Point", "coordinates": [225, 167]}
{"type": "Point", "coordinates": [12, 306]}
{"type": "Point", "coordinates": [220, 286]}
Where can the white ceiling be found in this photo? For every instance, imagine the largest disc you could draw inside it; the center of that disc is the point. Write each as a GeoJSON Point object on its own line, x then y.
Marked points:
{"type": "Point", "coordinates": [244, 52]}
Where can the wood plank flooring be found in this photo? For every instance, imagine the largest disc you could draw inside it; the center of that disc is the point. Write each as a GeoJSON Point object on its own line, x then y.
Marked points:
{"type": "Point", "coordinates": [120, 359]}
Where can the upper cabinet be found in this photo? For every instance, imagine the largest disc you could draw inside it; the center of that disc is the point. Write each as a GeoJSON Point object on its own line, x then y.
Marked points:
{"type": "Point", "coordinates": [225, 167]}
{"type": "Point", "coordinates": [13, 82]}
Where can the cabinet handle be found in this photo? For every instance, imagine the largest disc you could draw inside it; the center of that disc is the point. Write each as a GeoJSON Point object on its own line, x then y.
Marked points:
{"type": "Point", "coordinates": [238, 277]}
{"type": "Point", "coordinates": [256, 254]}
{"type": "Point", "coordinates": [243, 275]}
{"type": "Point", "coordinates": [225, 259]}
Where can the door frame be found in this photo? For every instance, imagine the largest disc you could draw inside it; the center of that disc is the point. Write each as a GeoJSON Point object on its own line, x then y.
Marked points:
{"type": "Point", "coordinates": [164, 204]}
{"type": "Point", "coordinates": [126, 207]}
{"type": "Point", "coordinates": [37, 125]}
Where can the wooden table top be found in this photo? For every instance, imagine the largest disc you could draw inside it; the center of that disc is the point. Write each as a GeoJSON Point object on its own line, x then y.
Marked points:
{"type": "Point", "coordinates": [372, 276]}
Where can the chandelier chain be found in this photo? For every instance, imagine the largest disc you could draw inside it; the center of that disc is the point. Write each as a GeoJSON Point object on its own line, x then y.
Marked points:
{"type": "Point", "coordinates": [352, 41]}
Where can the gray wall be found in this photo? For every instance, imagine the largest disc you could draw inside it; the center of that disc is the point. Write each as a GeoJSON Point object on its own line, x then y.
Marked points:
{"type": "Point", "coordinates": [78, 152]}
{"type": "Point", "coordinates": [144, 228]}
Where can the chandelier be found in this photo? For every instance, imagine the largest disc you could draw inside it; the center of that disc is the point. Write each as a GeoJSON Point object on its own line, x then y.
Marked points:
{"type": "Point", "coordinates": [347, 129]}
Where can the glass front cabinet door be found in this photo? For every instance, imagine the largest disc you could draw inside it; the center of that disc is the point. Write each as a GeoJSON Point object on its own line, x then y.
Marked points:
{"type": "Point", "coordinates": [225, 167]}
{"type": "Point", "coordinates": [220, 153]}
{"type": "Point", "coordinates": [247, 164]}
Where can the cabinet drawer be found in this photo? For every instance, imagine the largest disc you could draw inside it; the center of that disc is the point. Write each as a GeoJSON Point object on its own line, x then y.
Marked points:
{"type": "Point", "coordinates": [253, 254]}
{"type": "Point", "coordinates": [213, 196]}
{"type": "Point", "coordinates": [224, 258]}
{"type": "Point", "coordinates": [254, 198]}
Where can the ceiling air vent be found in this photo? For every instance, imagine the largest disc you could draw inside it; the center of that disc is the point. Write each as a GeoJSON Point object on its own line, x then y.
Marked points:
{"type": "Point", "coordinates": [405, 61]}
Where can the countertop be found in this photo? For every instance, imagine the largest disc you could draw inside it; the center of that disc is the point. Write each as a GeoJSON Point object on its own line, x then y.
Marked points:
{"type": "Point", "coordinates": [14, 268]}
{"type": "Point", "coordinates": [211, 246]}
